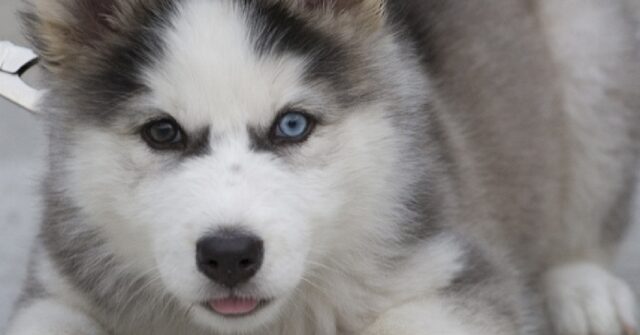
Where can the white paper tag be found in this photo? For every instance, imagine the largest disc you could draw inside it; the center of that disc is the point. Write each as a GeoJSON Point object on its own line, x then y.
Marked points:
{"type": "Point", "coordinates": [14, 60]}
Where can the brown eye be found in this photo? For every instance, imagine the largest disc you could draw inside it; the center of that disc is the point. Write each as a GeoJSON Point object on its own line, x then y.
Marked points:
{"type": "Point", "coordinates": [163, 134]}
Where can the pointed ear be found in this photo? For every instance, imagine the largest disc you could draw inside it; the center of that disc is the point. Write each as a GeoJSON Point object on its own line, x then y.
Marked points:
{"type": "Point", "coordinates": [364, 13]}
{"type": "Point", "coordinates": [63, 31]}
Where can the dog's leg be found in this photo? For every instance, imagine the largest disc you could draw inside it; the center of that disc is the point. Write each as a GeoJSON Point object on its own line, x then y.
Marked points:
{"type": "Point", "coordinates": [440, 316]}
{"type": "Point", "coordinates": [50, 317]}
{"type": "Point", "coordinates": [586, 299]}
{"type": "Point", "coordinates": [582, 296]}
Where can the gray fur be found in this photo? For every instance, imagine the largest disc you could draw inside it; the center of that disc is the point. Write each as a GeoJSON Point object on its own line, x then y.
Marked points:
{"type": "Point", "coordinates": [483, 120]}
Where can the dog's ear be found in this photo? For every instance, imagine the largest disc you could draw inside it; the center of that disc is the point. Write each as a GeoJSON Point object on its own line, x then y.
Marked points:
{"type": "Point", "coordinates": [364, 14]}
{"type": "Point", "coordinates": [65, 31]}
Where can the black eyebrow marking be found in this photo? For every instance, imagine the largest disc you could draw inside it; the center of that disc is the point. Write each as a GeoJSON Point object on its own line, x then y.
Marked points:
{"type": "Point", "coordinates": [198, 143]}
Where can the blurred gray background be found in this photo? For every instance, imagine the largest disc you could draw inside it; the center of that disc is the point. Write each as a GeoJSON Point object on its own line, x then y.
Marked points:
{"type": "Point", "coordinates": [22, 152]}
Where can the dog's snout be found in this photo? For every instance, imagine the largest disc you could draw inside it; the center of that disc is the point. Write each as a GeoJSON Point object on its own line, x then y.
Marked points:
{"type": "Point", "coordinates": [230, 259]}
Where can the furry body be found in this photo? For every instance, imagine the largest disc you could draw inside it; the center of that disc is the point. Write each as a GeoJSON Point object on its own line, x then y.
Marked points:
{"type": "Point", "coordinates": [470, 172]}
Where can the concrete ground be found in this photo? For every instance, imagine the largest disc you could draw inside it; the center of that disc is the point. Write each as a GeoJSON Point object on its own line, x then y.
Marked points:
{"type": "Point", "coordinates": [22, 151]}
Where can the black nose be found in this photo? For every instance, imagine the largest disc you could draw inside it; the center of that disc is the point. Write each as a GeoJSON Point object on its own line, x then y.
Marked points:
{"type": "Point", "coordinates": [229, 258]}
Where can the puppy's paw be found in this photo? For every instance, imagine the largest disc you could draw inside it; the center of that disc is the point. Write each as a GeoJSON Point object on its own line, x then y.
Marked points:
{"type": "Point", "coordinates": [585, 299]}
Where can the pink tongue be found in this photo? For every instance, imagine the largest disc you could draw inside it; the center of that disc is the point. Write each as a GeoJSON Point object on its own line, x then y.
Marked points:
{"type": "Point", "coordinates": [234, 306]}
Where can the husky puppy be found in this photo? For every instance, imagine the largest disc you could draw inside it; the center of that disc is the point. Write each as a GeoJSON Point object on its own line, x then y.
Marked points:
{"type": "Point", "coordinates": [414, 167]}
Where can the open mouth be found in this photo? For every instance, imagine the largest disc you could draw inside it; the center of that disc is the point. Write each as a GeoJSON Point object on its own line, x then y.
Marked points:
{"type": "Point", "coordinates": [235, 307]}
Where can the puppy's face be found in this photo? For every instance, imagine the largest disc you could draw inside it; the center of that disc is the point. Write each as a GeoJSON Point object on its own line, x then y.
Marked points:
{"type": "Point", "coordinates": [226, 148]}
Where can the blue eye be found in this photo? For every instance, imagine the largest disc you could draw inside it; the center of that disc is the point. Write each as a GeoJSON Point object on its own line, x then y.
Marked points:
{"type": "Point", "coordinates": [293, 126]}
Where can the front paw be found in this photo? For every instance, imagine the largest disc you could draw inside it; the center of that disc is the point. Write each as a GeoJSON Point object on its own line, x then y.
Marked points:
{"type": "Point", "coordinates": [586, 299]}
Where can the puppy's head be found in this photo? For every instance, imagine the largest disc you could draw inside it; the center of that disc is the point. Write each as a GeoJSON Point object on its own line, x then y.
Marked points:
{"type": "Point", "coordinates": [229, 147]}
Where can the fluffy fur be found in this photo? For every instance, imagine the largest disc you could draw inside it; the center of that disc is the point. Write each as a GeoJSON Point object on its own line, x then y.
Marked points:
{"type": "Point", "coordinates": [470, 173]}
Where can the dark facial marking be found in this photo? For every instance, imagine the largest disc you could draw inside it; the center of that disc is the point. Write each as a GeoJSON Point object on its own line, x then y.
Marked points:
{"type": "Point", "coordinates": [276, 30]}
{"type": "Point", "coordinates": [118, 73]}
{"type": "Point", "coordinates": [198, 143]}
{"type": "Point", "coordinates": [259, 139]}
{"type": "Point", "coordinates": [110, 59]}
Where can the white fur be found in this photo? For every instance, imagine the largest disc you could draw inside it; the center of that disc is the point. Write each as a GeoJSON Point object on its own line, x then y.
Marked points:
{"type": "Point", "coordinates": [348, 295]}
{"type": "Point", "coordinates": [585, 299]}
{"type": "Point", "coordinates": [326, 198]}
{"type": "Point", "coordinates": [52, 317]}
{"type": "Point", "coordinates": [317, 210]}
{"type": "Point", "coordinates": [427, 317]}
